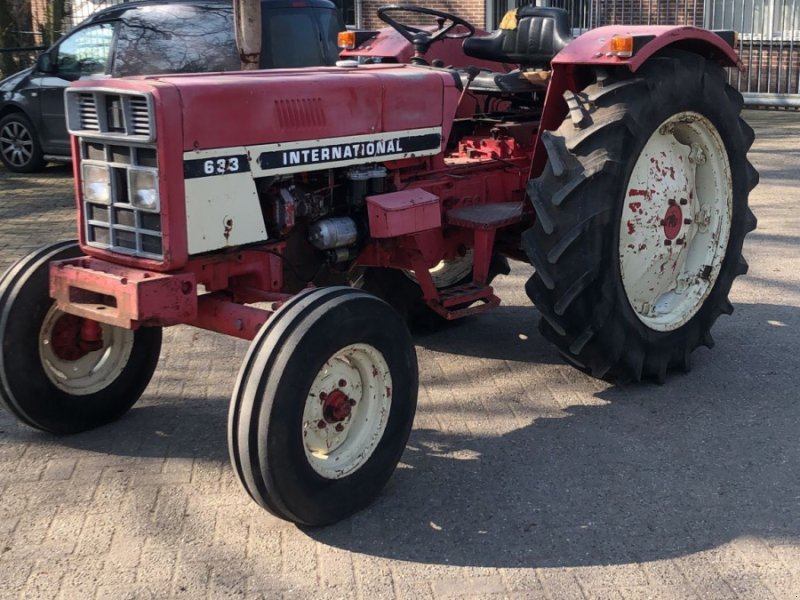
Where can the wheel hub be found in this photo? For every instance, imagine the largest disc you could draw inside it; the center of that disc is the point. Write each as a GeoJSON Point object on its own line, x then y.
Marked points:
{"type": "Point", "coordinates": [74, 337]}
{"type": "Point", "coordinates": [336, 406]}
{"type": "Point", "coordinates": [675, 225]}
{"type": "Point", "coordinates": [672, 221]}
{"type": "Point", "coordinates": [81, 356]}
{"type": "Point", "coordinates": [346, 410]}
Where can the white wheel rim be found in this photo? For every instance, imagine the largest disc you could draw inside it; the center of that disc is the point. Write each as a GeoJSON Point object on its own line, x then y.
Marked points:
{"type": "Point", "coordinates": [676, 221]}
{"type": "Point", "coordinates": [346, 411]}
{"type": "Point", "coordinates": [16, 144]}
{"type": "Point", "coordinates": [448, 272]}
{"type": "Point", "coordinates": [94, 370]}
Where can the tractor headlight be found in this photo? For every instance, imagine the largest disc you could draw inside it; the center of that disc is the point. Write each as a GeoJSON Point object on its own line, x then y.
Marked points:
{"type": "Point", "coordinates": [96, 183]}
{"type": "Point", "coordinates": [143, 187]}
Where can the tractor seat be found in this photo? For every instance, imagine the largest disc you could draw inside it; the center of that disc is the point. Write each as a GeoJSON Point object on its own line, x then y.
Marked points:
{"type": "Point", "coordinates": [541, 33]}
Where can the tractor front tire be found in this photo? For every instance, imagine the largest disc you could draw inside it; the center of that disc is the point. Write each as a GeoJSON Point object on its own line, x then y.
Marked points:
{"type": "Point", "coordinates": [50, 378]}
{"type": "Point", "coordinates": [323, 405]}
{"type": "Point", "coordinates": [641, 215]}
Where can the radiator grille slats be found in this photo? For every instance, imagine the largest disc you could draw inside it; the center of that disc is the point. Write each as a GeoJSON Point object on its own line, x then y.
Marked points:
{"type": "Point", "coordinates": [140, 116]}
{"type": "Point", "coordinates": [117, 115]}
{"type": "Point", "coordinates": [87, 108]}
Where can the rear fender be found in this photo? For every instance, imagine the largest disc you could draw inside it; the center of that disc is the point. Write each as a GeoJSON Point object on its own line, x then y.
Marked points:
{"type": "Point", "coordinates": [571, 68]}
{"type": "Point", "coordinates": [594, 47]}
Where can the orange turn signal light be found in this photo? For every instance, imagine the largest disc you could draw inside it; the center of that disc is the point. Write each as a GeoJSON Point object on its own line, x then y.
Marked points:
{"type": "Point", "coordinates": [622, 46]}
{"type": "Point", "coordinates": [346, 40]}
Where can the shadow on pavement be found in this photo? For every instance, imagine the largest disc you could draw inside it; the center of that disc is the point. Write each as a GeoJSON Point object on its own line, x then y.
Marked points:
{"type": "Point", "coordinates": [504, 333]}
{"type": "Point", "coordinates": [644, 472]}
{"type": "Point", "coordinates": [652, 473]}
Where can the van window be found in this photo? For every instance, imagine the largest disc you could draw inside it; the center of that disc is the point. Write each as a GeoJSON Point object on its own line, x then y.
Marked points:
{"type": "Point", "coordinates": [331, 24]}
{"type": "Point", "coordinates": [176, 39]}
{"type": "Point", "coordinates": [291, 39]}
{"type": "Point", "coordinates": [86, 51]}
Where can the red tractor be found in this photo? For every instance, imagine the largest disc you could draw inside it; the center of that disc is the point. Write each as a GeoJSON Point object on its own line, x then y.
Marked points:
{"type": "Point", "coordinates": [315, 211]}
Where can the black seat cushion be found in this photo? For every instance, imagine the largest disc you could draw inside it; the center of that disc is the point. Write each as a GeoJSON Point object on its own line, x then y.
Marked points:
{"type": "Point", "coordinates": [541, 33]}
{"type": "Point", "coordinates": [503, 83]}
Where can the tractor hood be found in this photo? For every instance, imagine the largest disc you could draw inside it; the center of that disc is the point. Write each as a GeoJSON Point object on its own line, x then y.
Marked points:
{"type": "Point", "coordinates": [221, 110]}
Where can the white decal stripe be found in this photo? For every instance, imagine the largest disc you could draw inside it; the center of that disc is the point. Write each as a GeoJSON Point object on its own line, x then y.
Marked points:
{"type": "Point", "coordinates": [351, 139]}
{"type": "Point", "coordinates": [254, 152]}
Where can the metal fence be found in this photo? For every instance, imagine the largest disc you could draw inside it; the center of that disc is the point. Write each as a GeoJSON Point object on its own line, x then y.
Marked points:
{"type": "Point", "coordinates": [769, 40]}
{"type": "Point", "coordinates": [769, 46]}
{"type": "Point", "coordinates": [769, 35]}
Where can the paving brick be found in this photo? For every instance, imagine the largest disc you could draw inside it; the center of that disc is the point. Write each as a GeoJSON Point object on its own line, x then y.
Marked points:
{"type": "Point", "coordinates": [476, 586]}
{"type": "Point", "coordinates": [59, 469]}
{"type": "Point", "coordinates": [13, 574]}
{"type": "Point", "coordinates": [524, 478]}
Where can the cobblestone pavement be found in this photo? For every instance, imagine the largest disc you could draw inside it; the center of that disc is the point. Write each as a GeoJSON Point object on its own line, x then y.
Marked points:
{"type": "Point", "coordinates": [523, 478]}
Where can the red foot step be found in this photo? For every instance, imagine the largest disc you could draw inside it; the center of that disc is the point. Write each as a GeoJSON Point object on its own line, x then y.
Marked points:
{"type": "Point", "coordinates": [464, 300]}
{"type": "Point", "coordinates": [486, 216]}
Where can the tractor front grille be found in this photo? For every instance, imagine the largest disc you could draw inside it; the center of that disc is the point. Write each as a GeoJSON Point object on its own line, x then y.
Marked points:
{"type": "Point", "coordinates": [117, 140]}
{"type": "Point", "coordinates": [118, 225]}
{"type": "Point", "coordinates": [110, 113]}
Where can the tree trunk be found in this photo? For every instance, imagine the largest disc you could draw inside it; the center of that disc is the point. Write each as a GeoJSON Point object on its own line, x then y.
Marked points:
{"type": "Point", "coordinates": [247, 21]}
{"type": "Point", "coordinates": [7, 63]}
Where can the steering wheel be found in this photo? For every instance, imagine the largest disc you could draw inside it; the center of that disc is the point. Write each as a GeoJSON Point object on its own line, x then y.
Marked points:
{"type": "Point", "coordinates": [422, 39]}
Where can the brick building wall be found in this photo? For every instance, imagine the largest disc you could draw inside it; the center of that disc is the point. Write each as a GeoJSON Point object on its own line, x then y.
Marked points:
{"type": "Point", "coordinates": [472, 11]}
{"type": "Point", "coordinates": [584, 13]}
{"type": "Point", "coordinates": [647, 12]}
{"type": "Point", "coordinates": [770, 67]}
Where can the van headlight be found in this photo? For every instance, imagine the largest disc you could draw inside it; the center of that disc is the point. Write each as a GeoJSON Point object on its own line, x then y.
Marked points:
{"type": "Point", "coordinates": [143, 188]}
{"type": "Point", "coordinates": [96, 183]}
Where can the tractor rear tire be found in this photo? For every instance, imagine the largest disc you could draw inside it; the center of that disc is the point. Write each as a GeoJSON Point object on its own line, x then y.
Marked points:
{"type": "Point", "coordinates": [323, 405]}
{"type": "Point", "coordinates": [47, 380]}
{"type": "Point", "coordinates": [641, 216]}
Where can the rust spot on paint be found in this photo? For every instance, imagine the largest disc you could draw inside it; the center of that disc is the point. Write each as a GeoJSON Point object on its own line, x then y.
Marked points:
{"type": "Point", "coordinates": [645, 193]}
{"type": "Point", "coordinates": [388, 392]}
{"type": "Point", "coordinates": [631, 228]}
{"type": "Point", "coordinates": [635, 206]}
{"type": "Point", "coordinates": [642, 247]}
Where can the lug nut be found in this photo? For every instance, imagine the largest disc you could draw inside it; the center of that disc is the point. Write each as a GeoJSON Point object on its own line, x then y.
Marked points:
{"type": "Point", "coordinates": [321, 424]}
{"type": "Point", "coordinates": [668, 242]}
{"type": "Point", "coordinates": [684, 201]}
{"type": "Point", "coordinates": [342, 383]}
{"type": "Point", "coordinates": [687, 221]}
{"type": "Point", "coordinates": [339, 427]}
